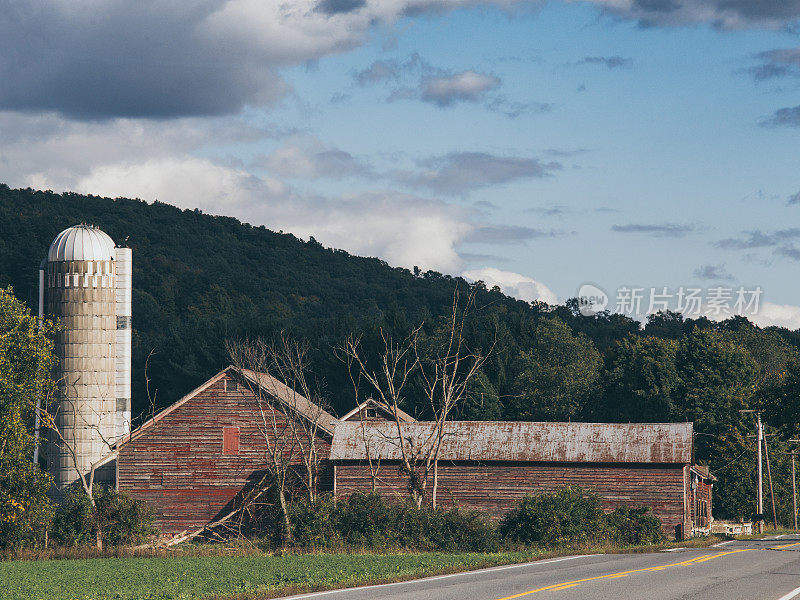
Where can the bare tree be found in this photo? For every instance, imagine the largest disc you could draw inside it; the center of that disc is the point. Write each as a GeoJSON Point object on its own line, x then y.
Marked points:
{"type": "Point", "coordinates": [396, 364]}
{"type": "Point", "coordinates": [292, 413]}
{"type": "Point", "coordinates": [447, 372]}
{"type": "Point", "coordinates": [446, 368]}
{"type": "Point", "coordinates": [289, 371]}
{"type": "Point", "coordinates": [48, 413]}
{"type": "Point", "coordinates": [151, 397]}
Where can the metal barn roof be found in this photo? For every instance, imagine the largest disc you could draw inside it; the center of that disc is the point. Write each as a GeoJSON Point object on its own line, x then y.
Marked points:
{"type": "Point", "coordinates": [291, 399]}
{"type": "Point", "coordinates": [520, 441]}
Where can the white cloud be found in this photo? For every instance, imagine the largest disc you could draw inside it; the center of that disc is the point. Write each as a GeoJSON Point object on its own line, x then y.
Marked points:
{"type": "Point", "coordinates": [186, 182]}
{"type": "Point", "coordinates": [782, 315]}
{"type": "Point", "coordinates": [48, 151]}
{"type": "Point", "coordinates": [512, 284]}
{"type": "Point", "coordinates": [466, 86]}
{"type": "Point", "coordinates": [153, 160]}
{"type": "Point", "coordinates": [400, 228]}
{"type": "Point", "coordinates": [308, 158]}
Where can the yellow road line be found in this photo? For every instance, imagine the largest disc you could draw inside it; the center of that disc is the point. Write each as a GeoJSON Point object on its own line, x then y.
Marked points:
{"type": "Point", "coordinates": [566, 584]}
{"type": "Point", "coordinates": [784, 546]}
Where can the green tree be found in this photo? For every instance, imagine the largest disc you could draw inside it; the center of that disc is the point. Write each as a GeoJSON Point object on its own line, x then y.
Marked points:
{"type": "Point", "coordinates": [783, 410]}
{"type": "Point", "coordinates": [557, 376]}
{"type": "Point", "coordinates": [667, 324]}
{"type": "Point", "coordinates": [26, 361]}
{"type": "Point", "coordinates": [776, 369]}
{"type": "Point", "coordinates": [641, 380]}
{"type": "Point", "coordinates": [718, 378]}
{"type": "Point", "coordinates": [481, 402]}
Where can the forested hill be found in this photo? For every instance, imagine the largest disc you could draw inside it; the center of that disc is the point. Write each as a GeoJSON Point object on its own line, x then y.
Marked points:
{"type": "Point", "coordinates": [200, 279]}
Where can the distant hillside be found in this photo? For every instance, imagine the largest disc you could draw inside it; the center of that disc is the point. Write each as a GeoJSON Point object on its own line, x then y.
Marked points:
{"type": "Point", "coordinates": [199, 279]}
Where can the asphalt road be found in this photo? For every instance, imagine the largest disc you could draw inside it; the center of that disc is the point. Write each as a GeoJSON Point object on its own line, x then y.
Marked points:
{"type": "Point", "coordinates": [766, 569]}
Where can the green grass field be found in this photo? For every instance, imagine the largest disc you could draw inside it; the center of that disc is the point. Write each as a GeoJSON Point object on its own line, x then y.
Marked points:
{"type": "Point", "coordinates": [190, 577]}
{"type": "Point", "coordinates": [205, 572]}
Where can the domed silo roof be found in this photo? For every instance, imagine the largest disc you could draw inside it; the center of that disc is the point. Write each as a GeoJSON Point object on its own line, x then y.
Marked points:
{"type": "Point", "coordinates": [81, 242]}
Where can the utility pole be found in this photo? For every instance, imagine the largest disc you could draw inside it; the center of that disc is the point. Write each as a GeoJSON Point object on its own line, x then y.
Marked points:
{"type": "Point", "coordinates": [760, 496]}
{"type": "Point", "coordinates": [759, 476]}
{"type": "Point", "coordinates": [794, 495]}
{"type": "Point", "coordinates": [769, 476]}
{"type": "Point", "coordinates": [794, 489]}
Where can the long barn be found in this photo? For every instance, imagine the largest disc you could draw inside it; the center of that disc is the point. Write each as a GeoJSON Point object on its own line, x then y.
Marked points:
{"type": "Point", "coordinates": [489, 466]}
{"type": "Point", "coordinates": [192, 460]}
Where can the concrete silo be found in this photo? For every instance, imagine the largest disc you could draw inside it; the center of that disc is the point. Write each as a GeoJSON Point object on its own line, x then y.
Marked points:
{"type": "Point", "coordinates": [87, 290]}
{"type": "Point", "coordinates": [123, 262]}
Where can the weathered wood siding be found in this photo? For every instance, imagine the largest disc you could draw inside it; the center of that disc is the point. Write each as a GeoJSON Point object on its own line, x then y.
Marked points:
{"type": "Point", "coordinates": [701, 504]}
{"type": "Point", "coordinates": [494, 488]}
{"type": "Point", "coordinates": [178, 467]}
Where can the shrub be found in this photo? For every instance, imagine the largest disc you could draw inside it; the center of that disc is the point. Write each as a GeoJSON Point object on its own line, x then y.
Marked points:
{"type": "Point", "coordinates": [570, 516]}
{"type": "Point", "coordinates": [437, 529]}
{"type": "Point", "coordinates": [125, 521]}
{"type": "Point", "coordinates": [634, 526]}
{"type": "Point", "coordinates": [313, 525]}
{"type": "Point", "coordinates": [368, 521]}
{"type": "Point", "coordinates": [25, 511]}
{"type": "Point", "coordinates": [73, 524]}
{"type": "Point", "coordinates": [465, 531]}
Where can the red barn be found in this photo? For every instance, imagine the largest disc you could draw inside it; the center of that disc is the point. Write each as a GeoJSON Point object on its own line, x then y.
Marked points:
{"type": "Point", "coordinates": [489, 466]}
{"type": "Point", "coordinates": [701, 484]}
{"type": "Point", "coordinates": [191, 460]}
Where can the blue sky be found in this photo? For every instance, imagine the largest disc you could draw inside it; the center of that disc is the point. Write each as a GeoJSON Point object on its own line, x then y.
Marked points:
{"type": "Point", "coordinates": [537, 146]}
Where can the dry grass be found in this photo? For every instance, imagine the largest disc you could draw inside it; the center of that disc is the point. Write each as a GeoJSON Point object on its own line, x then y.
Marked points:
{"type": "Point", "coordinates": [88, 552]}
{"type": "Point", "coordinates": [247, 548]}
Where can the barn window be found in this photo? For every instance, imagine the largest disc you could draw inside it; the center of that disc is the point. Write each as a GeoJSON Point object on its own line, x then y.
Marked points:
{"type": "Point", "coordinates": [230, 440]}
{"type": "Point", "coordinates": [371, 413]}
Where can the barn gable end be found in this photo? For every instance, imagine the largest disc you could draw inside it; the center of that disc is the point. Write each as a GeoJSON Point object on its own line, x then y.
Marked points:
{"type": "Point", "coordinates": [191, 460]}
{"type": "Point", "coordinates": [371, 411]}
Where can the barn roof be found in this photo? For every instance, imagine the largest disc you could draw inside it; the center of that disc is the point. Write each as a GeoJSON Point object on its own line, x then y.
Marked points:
{"type": "Point", "coordinates": [284, 394]}
{"type": "Point", "coordinates": [520, 441]}
{"type": "Point", "coordinates": [291, 399]}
